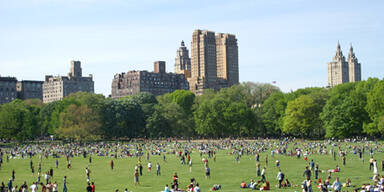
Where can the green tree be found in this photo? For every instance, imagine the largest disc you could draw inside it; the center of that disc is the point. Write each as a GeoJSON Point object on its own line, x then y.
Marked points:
{"type": "Point", "coordinates": [375, 109]}
{"type": "Point", "coordinates": [343, 114]}
{"type": "Point", "coordinates": [147, 102]}
{"type": "Point", "coordinates": [221, 116]}
{"type": "Point", "coordinates": [300, 116]}
{"type": "Point", "coordinates": [92, 100]}
{"type": "Point", "coordinates": [79, 123]}
{"type": "Point", "coordinates": [45, 117]}
{"type": "Point", "coordinates": [258, 93]}
{"type": "Point", "coordinates": [51, 114]}
{"type": "Point", "coordinates": [273, 111]}
{"type": "Point", "coordinates": [122, 118]}
{"type": "Point", "coordinates": [157, 125]}
{"type": "Point", "coordinates": [18, 121]}
{"type": "Point", "coordinates": [179, 121]}
{"type": "Point", "coordinates": [184, 98]}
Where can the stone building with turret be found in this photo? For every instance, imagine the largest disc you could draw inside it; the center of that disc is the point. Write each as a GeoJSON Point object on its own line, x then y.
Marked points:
{"type": "Point", "coordinates": [182, 61]}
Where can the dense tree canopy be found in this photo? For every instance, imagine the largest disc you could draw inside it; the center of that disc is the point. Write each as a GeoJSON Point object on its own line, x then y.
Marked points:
{"type": "Point", "coordinates": [375, 109]}
{"type": "Point", "coordinates": [300, 116]}
{"type": "Point", "coordinates": [244, 110]}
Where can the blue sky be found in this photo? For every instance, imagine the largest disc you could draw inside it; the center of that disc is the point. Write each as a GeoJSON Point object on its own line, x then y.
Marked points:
{"type": "Point", "coordinates": [287, 41]}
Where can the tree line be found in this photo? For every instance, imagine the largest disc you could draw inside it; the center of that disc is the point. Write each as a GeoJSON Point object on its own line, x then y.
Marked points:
{"type": "Point", "coordinates": [244, 110]}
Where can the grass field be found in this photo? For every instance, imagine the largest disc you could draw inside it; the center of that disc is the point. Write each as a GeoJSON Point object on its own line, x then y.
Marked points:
{"type": "Point", "coordinates": [225, 171]}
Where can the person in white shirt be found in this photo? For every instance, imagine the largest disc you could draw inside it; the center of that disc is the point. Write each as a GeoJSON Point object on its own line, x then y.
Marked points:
{"type": "Point", "coordinates": [33, 187]}
{"type": "Point", "coordinates": [54, 187]}
{"type": "Point", "coordinates": [149, 166]}
{"type": "Point", "coordinates": [190, 165]}
{"type": "Point", "coordinates": [197, 188]}
{"type": "Point", "coordinates": [166, 189]}
{"type": "Point", "coordinates": [263, 174]}
{"type": "Point", "coordinates": [375, 167]}
{"type": "Point", "coordinates": [46, 177]}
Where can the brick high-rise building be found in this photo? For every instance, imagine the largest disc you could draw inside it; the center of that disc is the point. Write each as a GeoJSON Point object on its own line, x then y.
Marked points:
{"type": "Point", "coordinates": [214, 61]}
{"type": "Point", "coordinates": [182, 61]}
{"type": "Point", "coordinates": [158, 82]}
{"type": "Point", "coordinates": [203, 61]}
{"type": "Point", "coordinates": [342, 71]}
{"type": "Point", "coordinates": [7, 89]}
{"type": "Point", "coordinates": [227, 60]}
{"type": "Point", "coordinates": [57, 87]}
{"type": "Point", "coordinates": [30, 89]}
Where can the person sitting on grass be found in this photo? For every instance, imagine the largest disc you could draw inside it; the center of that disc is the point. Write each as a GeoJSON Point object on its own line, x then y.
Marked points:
{"type": "Point", "coordinates": [307, 186]}
{"type": "Point", "coordinates": [286, 183]}
{"type": "Point", "coordinates": [197, 188]}
{"type": "Point", "coordinates": [216, 187]}
{"type": "Point", "coordinates": [265, 186]}
{"type": "Point", "coordinates": [255, 185]}
{"type": "Point", "coordinates": [243, 185]}
{"type": "Point", "coordinates": [347, 183]}
{"type": "Point", "coordinates": [336, 185]}
{"type": "Point", "coordinates": [251, 184]}
{"type": "Point", "coordinates": [323, 187]}
{"type": "Point", "coordinates": [190, 188]}
{"type": "Point", "coordinates": [166, 188]}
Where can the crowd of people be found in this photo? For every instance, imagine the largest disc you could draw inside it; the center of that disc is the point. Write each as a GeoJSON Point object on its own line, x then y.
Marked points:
{"type": "Point", "coordinates": [140, 149]}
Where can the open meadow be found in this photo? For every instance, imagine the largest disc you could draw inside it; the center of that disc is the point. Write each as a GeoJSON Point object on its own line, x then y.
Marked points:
{"type": "Point", "coordinates": [225, 171]}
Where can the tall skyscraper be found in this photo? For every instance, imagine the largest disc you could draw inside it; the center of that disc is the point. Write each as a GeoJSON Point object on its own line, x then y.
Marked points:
{"type": "Point", "coordinates": [227, 60]}
{"type": "Point", "coordinates": [341, 71]}
{"type": "Point", "coordinates": [203, 61]}
{"type": "Point", "coordinates": [338, 69]}
{"type": "Point", "coordinates": [354, 67]}
{"type": "Point", "coordinates": [182, 61]}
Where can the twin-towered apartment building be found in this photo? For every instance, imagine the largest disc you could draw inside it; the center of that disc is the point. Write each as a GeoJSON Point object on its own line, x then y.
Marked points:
{"type": "Point", "coordinates": [214, 64]}
{"type": "Point", "coordinates": [342, 71]}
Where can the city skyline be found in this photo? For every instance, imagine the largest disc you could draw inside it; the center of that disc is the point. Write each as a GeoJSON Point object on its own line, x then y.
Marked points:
{"type": "Point", "coordinates": [289, 42]}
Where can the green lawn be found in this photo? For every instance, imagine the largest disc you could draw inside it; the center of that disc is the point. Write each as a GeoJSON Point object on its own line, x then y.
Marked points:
{"type": "Point", "coordinates": [224, 171]}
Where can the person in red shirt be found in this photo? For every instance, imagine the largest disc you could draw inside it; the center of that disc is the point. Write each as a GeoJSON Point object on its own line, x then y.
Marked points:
{"type": "Point", "coordinates": [93, 187]}
{"type": "Point", "coordinates": [111, 164]}
{"type": "Point", "coordinates": [243, 185]}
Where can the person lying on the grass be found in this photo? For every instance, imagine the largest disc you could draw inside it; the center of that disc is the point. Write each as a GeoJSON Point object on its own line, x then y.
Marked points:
{"type": "Point", "coordinates": [243, 185]}
{"type": "Point", "coordinates": [253, 184]}
{"type": "Point", "coordinates": [286, 183]}
{"type": "Point", "coordinates": [265, 186]}
{"type": "Point", "coordinates": [336, 170]}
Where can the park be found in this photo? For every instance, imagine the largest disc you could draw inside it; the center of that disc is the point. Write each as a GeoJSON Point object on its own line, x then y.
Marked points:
{"type": "Point", "coordinates": [336, 133]}
{"type": "Point", "coordinates": [233, 162]}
